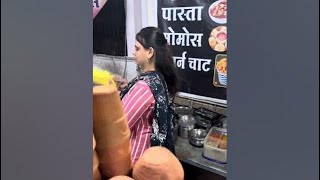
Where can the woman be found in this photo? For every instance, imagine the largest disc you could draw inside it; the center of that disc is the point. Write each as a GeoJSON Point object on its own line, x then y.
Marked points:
{"type": "Point", "coordinates": [147, 99]}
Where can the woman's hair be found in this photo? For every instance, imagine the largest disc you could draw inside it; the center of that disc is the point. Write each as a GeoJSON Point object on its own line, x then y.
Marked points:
{"type": "Point", "coordinates": [153, 37]}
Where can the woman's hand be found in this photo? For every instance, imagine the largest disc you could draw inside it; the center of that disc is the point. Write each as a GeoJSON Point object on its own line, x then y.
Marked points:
{"type": "Point", "coordinates": [121, 82]}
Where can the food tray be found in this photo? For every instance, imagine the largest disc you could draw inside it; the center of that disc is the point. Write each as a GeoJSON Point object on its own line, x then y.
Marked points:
{"type": "Point", "coordinates": [215, 145]}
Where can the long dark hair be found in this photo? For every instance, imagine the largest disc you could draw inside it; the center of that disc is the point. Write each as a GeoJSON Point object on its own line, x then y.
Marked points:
{"type": "Point", "coordinates": [154, 37]}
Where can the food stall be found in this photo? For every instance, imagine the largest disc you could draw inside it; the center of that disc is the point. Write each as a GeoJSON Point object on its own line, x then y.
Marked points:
{"type": "Point", "coordinates": [197, 32]}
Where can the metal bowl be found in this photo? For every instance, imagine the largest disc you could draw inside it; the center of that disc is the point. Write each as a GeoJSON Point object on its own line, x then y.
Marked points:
{"type": "Point", "coordinates": [182, 110]}
{"type": "Point", "coordinates": [186, 123]}
{"type": "Point", "coordinates": [197, 136]}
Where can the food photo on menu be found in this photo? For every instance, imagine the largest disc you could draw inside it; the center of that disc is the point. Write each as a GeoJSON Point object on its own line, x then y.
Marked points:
{"type": "Point", "coordinates": [220, 71]}
{"type": "Point", "coordinates": [218, 11]}
{"type": "Point", "coordinates": [218, 39]}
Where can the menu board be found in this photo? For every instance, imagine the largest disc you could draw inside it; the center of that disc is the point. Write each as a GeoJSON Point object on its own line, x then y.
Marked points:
{"type": "Point", "coordinates": [197, 32]}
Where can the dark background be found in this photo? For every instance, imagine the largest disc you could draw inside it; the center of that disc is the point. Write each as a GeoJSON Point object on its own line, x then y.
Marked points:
{"type": "Point", "coordinates": [109, 29]}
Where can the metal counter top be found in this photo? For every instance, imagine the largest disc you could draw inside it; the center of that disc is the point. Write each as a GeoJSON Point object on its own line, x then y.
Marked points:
{"type": "Point", "coordinates": [187, 153]}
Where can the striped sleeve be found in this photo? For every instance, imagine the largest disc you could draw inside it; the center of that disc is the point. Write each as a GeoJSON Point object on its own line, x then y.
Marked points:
{"type": "Point", "coordinates": [137, 102]}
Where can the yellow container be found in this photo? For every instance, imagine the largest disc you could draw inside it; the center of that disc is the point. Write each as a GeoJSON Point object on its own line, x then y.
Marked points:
{"type": "Point", "coordinates": [103, 77]}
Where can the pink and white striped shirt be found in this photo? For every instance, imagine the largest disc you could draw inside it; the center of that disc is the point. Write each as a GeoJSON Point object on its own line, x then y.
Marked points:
{"type": "Point", "coordinates": [138, 106]}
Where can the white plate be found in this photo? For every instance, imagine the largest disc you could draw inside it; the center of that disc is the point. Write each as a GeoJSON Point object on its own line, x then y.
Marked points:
{"type": "Point", "coordinates": [217, 20]}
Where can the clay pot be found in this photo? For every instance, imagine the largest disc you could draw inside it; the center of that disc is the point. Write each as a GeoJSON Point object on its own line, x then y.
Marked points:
{"type": "Point", "coordinates": [111, 132]}
{"type": "Point", "coordinates": [158, 163]}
